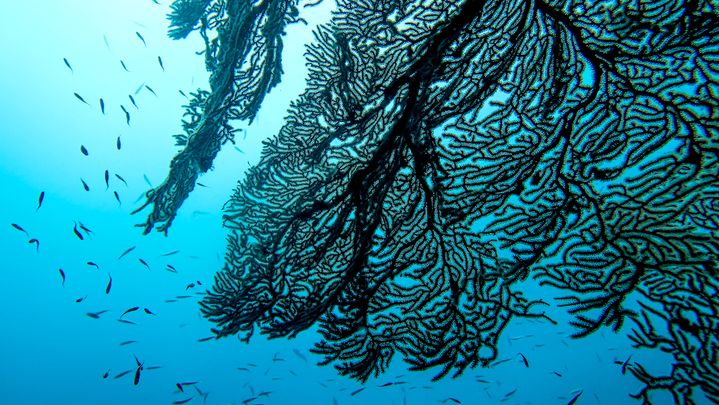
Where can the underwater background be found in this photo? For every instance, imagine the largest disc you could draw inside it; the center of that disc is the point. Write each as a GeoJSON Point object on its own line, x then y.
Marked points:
{"type": "Point", "coordinates": [52, 351]}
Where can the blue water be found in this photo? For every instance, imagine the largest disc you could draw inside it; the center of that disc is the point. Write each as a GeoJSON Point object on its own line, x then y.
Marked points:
{"type": "Point", "coordinates": [52, 352]}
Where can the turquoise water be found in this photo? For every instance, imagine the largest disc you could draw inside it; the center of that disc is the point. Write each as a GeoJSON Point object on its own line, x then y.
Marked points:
{"type": "Point", "coordinates": [53, 352]}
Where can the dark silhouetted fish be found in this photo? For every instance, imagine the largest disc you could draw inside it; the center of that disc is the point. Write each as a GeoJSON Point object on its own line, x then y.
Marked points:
{"type": "Point", "coordinates": [118, 143]}
{"type": "Point", "coordinates": [109, 284]}
{"type": "Point", "coordinates": [138, 370]}
{"type": "Point", "coordinates": [150, 90]}
{"type": "Point", "coordinates": [147, 311]}
{"type": "Point", "coordinates": [171, 268]}
{"type": "Point", "coordinates": [174, 252]}
{"type": "Point", "coordinates": [189, 286]}
{"type": "Point", "coordinates": [141, 38]}
{"type": "Point", "coordinates": [81, 299]}
{"type": "Point", "coordinates": [102, 106]}
{"type": "Point", "coordinates": [524, 360]}
{"type": "Point", "coordinates": [21, 229]}
{"type": "Point", "coordinates": [107, 373]}
{"type": "Point", "coordinates": [132, 100]}
{"type": "Point", "coordinates": [133, 309]}
{"type": "Point", "coordinates": [84, 185]}
{"type": "Point", "coordinates": [77, 233]}
{"type": "Point", "coordinates": [201, 185]}
{"type": "Point", "coordinates": [117, 197]}
{"type": "Point", "coordinates": [198, 282]}
{"type": "Point", "coordinates": [107, 179]}
{"type": "Point", "coordinates": [126, 321]}
{"type": "Point", "coordinates": [183, 401]}
{"type": "Point", "coordinates": [40, 199]}
{"type": "Point", "coordinates": [84, 228]}
{"type": "Point", "coordinates": [557, 373]}
{"type": "Point", "coordinates": [123, 66]}
{"type": "Point", "coordinates": [79, 97]}
{"type": "Point", "coordinates": [357, 391]}
{"type": "Point", "coordinates": [128, 342]}
{"type": "Point", "coordinates": [144, 263]}
{"type": "Point", "coordinates": [107, 44]}
{"type": "Point", "coordinates": [83, 150]}
{"type": "Point", "coordinates": [205, 339]}
{"type": "Point", "coordinates": [62, 274]}
{"type": "Point", "coordinates": [121, 179]}
{"type": "Point", "coordinates": [124, 373]}
{"type": "Point", "coordinates": [624, 364]}
{"type": "Point", "coordinates": [575, 398]}
{"type": "Point", "coordinates": [68, 65]}
{"type": "Point", "coordinates": [159, 59]}
{"type": "Point", "coordinates": [97, 266]}
{"type": "Point", "coordinates": [96, 315]}
{"type": "Point", "coordinates": [183, 93]}
{"type": "Point", "coordinates": [179, 387]}
{"type": "Point", "coordinates": [127, 114]}
{"type": "Point", "coordinates": [152, 367]}
{"type": "Point", "coordinates": [144, 176]}
{"type": "Point", "coordinates": [128, 250]}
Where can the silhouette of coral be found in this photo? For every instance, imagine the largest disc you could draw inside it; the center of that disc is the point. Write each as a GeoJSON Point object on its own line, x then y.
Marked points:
{"type": "Point", "coordinates": [445, 151]}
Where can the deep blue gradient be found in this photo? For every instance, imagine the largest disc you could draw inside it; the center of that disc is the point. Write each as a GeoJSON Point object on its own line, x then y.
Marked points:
{"type": "Point", "coordinates": [51, 352]}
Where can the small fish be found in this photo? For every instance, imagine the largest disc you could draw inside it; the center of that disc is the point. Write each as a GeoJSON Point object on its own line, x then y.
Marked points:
{"type": "Point", "coordinates": [77, 233]}
{"type": "Point", "coordinates": [141, 38]}
{"type": "Point", "coordinates": [198, 282]}
{"type": "Point", "coordinates": [183, 296]}
{"type": "Point", "coordinates": [239, 150]}
{"type": "Point", "coordinates": [21, 229]}
{"type": "Point", "coordinates": [97, 266]}
{"type": "Point", "coordinates": [189, 286]}
{"type": "Point", "coordinates": [159, 59]}
{"type": "Point", "coordinates": [83, 150]}
{"type": "Point", "coordinates": [126, 321]}
{"type": "Point", "coordinates": [62, 274]}
{"type": "Point", "coordinates": [121, 179]}
{"type": "Point", "coordinates": [557, 373]}
{"type": "Point", "coordinates": [133, 309]}
{"type": "Point", "coordinates": [68, 65]}
{"type": "Point", "coordinates": [357, 391]}
{"type": "Point", "coordinates": [150, 90]}
{"type": "Point", "coordinates": [171, 268]}
{"type": "Point", "coordinates": [36, 242]}
{"type": "Point", "coordinates": [624, 364]}
{"type": "Point", "coordinates": [179, 387]}
{"type": "Point", "coordinates": [132, 100]}
{"type": "Point", "coordinates": [109, 284]}
{"type": "Point", "coordinates": [117, 197]}
{"type": "Point", "coordinates": [40, 200]}
{"type": "Point", "coordinates": [524, 360]}
{"type": "Point", "coordinates": [174, 252]}
{"type": "Point", "coordinates": [96, 315]}
{"type": "Point", "coordinates": [201, 185]}
{"type": "Point", "coordinates": [575, 398]}
{"type": "Point", "coordinates": [128, 250]}
{"type": "Point", "coordinates": [84, 228]}
{"type": "Point", "coordinates": [144, 263]}
{"type": "Point", "coordinates": [183, 401]}
{"type": "Point", "coordinates": [128, 342]}
{"type": "Point", "coordinates": [300, 355]}
{"type": "Point", "coordinates": [127, 114]}
{"type": "Point", "coordinates": [386, 384]}
{"type": "Point", "coordinates": [183, 93]}
{"type": "Point", "coordinates": [107, 179]}
{"type": "Point", "coordinates": [205, 339]}
{"type": "Point", "coordinates": [124, 373]}
{"type": "Point", "coordinates": [190, 383]}
{"type": "Point", "coordinates": [152, 367]}
{"type": "Point", "coordinates": [142, 86]}
{"type": "Point", "coordinates": [107, 44]}
{"type": "Point", "coordinates": [84, 185]}
{"type": "Point", "coordinates": [123, 66]}
{"type": "Point", "coordinates": [102, 106]}
{"type": "Point", "coordinates": [171, 300]}
{"type": "Point", "coordinates": [147, 311]}
{"type": "Point", "coordinates": [81, 299]}
{"type": "Point", "coordinates": [107, 373]}
{"type": "Point", "coordinates": [455, 400]}
{"type": "Point", "coordinates": [118, 144]}
{"type": "Point", "coordinates": [144, 176]}
{"type": "Point", "coordinates": [79, 97]}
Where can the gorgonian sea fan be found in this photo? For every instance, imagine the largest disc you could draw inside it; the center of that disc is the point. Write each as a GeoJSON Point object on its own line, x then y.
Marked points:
{"type": "Point", "coordinates": [446, 151]}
